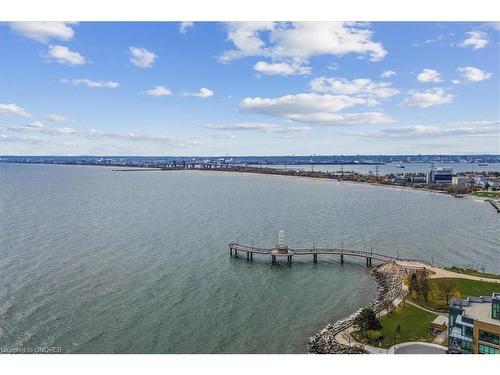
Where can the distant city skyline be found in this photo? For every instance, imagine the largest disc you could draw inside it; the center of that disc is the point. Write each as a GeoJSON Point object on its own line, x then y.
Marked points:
{"type": "Point", "coordinates": [249, 88]}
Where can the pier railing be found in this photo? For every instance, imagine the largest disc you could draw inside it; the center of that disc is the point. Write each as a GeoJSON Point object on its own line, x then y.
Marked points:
{"type": "Point", "coordinates": [369, 255]}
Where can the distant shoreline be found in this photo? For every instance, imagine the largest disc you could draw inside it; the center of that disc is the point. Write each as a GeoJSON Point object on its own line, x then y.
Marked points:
{"type": "Point", "coordinates": [263, 171]}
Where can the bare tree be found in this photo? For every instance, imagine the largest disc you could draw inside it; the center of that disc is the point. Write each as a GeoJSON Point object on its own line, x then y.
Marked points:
{"type": "Point", "coordinates": [446, 288]}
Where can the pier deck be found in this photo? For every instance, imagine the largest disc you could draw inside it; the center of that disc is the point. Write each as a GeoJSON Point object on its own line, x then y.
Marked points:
{"type": "Point", "coordinates": [234, 248]}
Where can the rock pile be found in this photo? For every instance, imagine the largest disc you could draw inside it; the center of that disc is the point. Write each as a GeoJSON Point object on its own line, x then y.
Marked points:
{"type": "Point", "coordinates": [389, 278]}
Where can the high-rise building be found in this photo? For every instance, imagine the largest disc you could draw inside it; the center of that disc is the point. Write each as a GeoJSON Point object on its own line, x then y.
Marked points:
{"type": "Point", "coordinates": [474, 325]}
{"type": "Point", "coordinates": [440, 175]}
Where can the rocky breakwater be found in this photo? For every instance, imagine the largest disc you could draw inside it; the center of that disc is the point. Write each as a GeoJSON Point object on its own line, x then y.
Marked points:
{"type": "Point", "coordinates": [389, 278]}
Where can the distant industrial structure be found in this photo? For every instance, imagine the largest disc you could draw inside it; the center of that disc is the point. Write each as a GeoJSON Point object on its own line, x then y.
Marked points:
{"type": "Point", "coordinates": [474, 325]}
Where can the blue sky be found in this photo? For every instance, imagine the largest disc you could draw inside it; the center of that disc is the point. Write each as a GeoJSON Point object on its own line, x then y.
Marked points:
{"type": "Point", "coordinates": [248, 88]}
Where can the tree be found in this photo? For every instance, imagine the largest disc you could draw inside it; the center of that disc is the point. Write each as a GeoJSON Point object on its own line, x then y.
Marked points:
{"type": "Point", "coordinates": [446, 288]}
{"type": "Point", "coordinates": [413, 287]}
{"type": "Point", "coordinates": [397, 334]}
{"type": "Point", "coordinates": [423, 286]}
{"type": "Point", "coordinates": [367, 320]}
{"type": "Point", "coordinates": [374, 336]}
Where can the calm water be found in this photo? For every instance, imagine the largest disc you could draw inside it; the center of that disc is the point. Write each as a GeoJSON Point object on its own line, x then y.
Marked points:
{"type": "Point", "coordinates": [93, 260]}
{"type": "Point", "coordinates": [392, 167]}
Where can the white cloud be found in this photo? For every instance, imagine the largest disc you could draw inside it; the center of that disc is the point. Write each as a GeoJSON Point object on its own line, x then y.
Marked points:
{"type": "Point", "coordinates": [226, 135]}
{"type": "Point", "coordinates": [263, 127]}
{"type": "Point", "coordinates": [65, 130]}
{"type": "Point", "coordinates": [203, 93]}
{"type": "Point", "coordinates": [477, 128]}
{"type": "Point", "coordinates": [455, 81]}
{"type": "Point", "coordinates": [159, 91]}
{"type": "Point", "coordinates": [283, 69]}
{"type": "Point", "coordinates": [388, 73]}
{"type": "Point", "coordinates": [44, 31]}
{"type": "Point", "coordinates": [184, 26]}
{"type": "Point", "coordinates": [494, 25]}
{"type": "Point", "coordinates": [162, 139]}
{"type": "Point", "coordinates": [363, 87]}
{"type": "Point", "coordinates": [429, 75]}
{"type": "Point", "coordinates": [13, 109]}
{"type": "Point", "coordinates": [333, 66]}
{"type": "Point", "coordinates": [141, 57]}
{"type": "Point", "coordinates": [359, 118]}
{"type": "Point", "coordinates": [472, 74]}
{"type": "Point", "coordinates": [298, 41]}
{"type": "Point", "coordinates": [57, 117]}
{"type": "Point", "coordinates": [63, 55]}
{"type": "Point", "coordinates": [36, 125]}
{"type": "Point", "coordinates": [246, 38]}
{"type": "Point", "coordinates": [434, 40]}
{"type": "Point", "coordinates": [39, 127]}
{"type": "Point", "coordinates": [90, 83]}
{"type": "Point", "coordinates": [315, 108]}
{"type": "Point", "coordinates": [427, 98]}
{"type": "Point", "coordinates": [476, 40]}
{"type": "Point", "coordinates": [289, 105]}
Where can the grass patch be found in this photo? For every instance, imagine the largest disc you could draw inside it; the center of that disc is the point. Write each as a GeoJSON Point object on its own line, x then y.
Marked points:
{"type": "Point", "coordinates": [413, 322]}
{"type": "Point", "coordinates": [487, 194]}
{"type": "Point", "coordinates": [463, 288]}
{"type": "Point", "coordinates": [468, 271]}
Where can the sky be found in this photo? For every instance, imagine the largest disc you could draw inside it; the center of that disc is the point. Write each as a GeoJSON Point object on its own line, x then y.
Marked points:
{"type": "Point", "coordinates": [249, 88]}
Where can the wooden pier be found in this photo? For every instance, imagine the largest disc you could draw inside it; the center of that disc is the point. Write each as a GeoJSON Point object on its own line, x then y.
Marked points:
{"type": "Point", "coordinates": [495, 204]}
{"type": "Point", "coordinates": [277, 253]}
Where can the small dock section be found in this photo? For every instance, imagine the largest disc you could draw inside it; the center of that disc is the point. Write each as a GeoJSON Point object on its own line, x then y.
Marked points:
{"type": "Point", "coordinates": [495, 204]}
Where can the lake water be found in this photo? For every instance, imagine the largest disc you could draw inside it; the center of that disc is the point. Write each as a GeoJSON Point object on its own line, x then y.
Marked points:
{"type": "Point", "coordinates": [98, 261]}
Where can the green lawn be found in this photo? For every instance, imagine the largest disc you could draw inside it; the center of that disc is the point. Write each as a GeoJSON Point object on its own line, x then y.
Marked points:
{"type": "Point", "coordinates": [488, 194]}
{"type": "Point", "coordinates": [468, 271]}
{"type": "Point", "coordinates": [413, 321]}
{"type": "Point", "coordinates": [464, 288]}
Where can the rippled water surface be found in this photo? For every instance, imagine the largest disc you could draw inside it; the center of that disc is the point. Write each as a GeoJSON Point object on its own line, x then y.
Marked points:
{"type": "Point", "coordinates": [94, 260]}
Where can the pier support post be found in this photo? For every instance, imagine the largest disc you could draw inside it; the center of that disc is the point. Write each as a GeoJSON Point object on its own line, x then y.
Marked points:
{"type": "Point", "coordinates": [235, 253]}
{"type": "Point", "coordinates": [251, 257]}
{"type": "Point", "coordinates": [231, 252]}
{"type": "Point", "coordinates": [368, 262]}
{"type": "Point", "coordinates": [248, 256]}
{"type": "Point", "coordinates": [315, 258]}
{"type": "Point", "coordinates": [273, 258]}
{"type": "Point", "coordinates": [289, 259]}
{"type": "Point", "coordinates": [342, 258]}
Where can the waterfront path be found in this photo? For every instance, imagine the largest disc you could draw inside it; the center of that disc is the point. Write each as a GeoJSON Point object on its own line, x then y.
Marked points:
{"type": "Point", "coordinates": [425, 309]}
{"type": "Point", "coordinates": [439, 273]}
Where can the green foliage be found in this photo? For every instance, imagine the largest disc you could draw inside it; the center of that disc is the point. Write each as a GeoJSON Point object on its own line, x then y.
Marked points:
{"type": "Point", "coordinates": [407, 323]}
{"type": "Point", "coordinates": [374, 336]}
{"type": "Point", "coordinates": [473, 272]}
{"type": "Point", "coordinates": [367, 321]}
{"type": "Point", "coordinates": [487, 194]}
{"type": "Point", "coordinates": [463, 288]}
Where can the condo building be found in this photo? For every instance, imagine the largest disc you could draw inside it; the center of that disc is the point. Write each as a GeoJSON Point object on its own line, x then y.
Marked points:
{"type": "Point", "coordinates": [474, 325]}
{"type": "Point", "coordinates": [440, 175]}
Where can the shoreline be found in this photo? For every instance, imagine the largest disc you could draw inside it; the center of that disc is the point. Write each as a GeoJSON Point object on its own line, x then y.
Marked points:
{"type": "Point", "coordinates": [269, 172]}
{"type": "Point", "coordinates": [389, 278]}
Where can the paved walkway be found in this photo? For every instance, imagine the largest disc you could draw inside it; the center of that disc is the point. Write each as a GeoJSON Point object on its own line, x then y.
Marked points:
{"type": "Point", "coordinates": [425, 309]}
{"type": "Point", "coordinates": [345, 338]}
{"type": "Point", "coordinates": [441, 338]}
{"type": "Point", "coordinates": [440, 272]}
